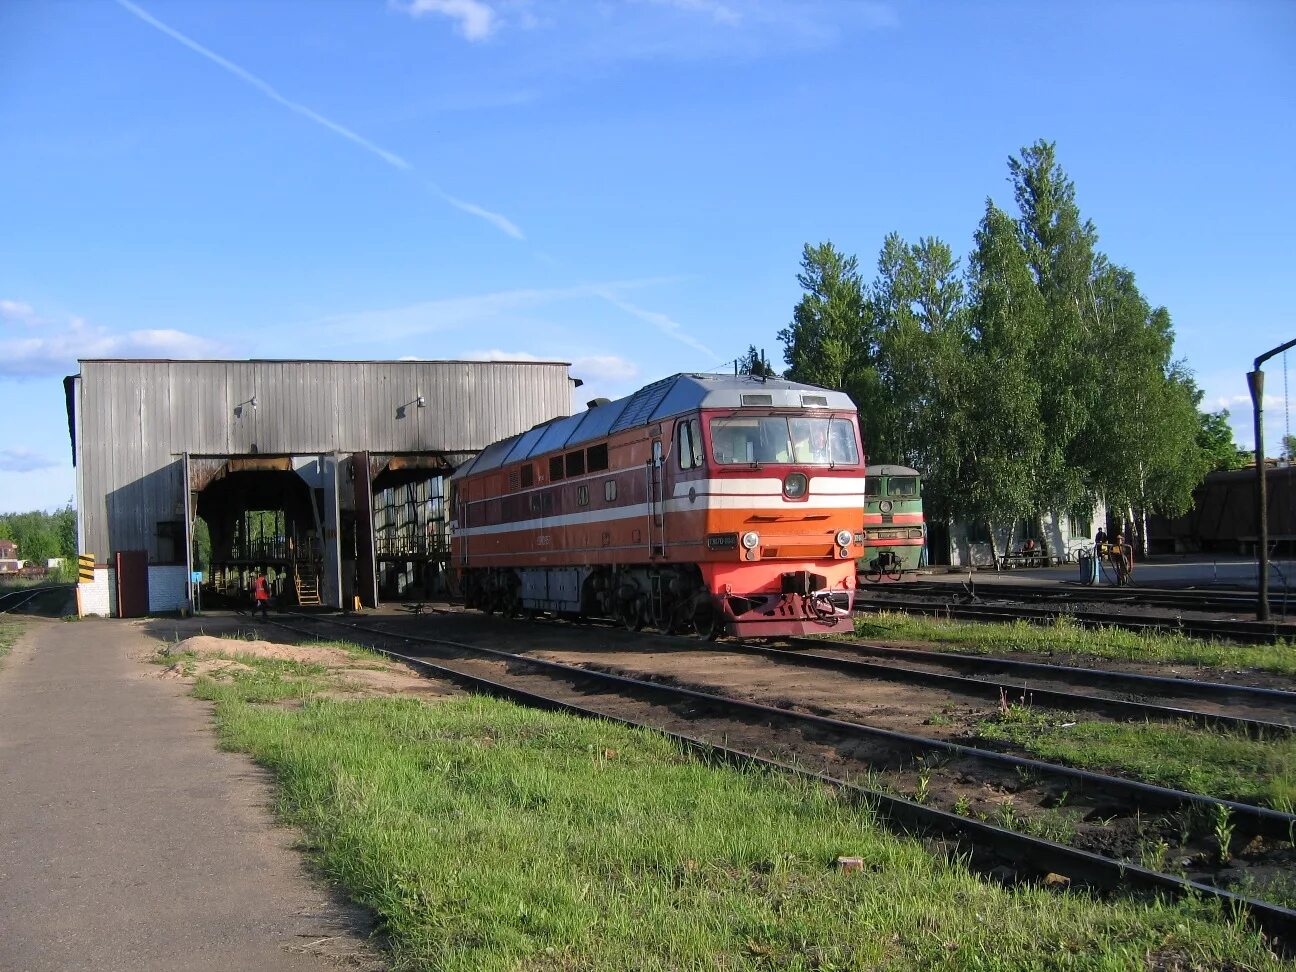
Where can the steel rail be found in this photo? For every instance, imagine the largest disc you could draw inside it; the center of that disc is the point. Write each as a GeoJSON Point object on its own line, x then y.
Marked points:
{"type": "Point", "coordinates": [28, 594]}
{"type": "Point", "coordinates": [1251, 632]}
{"type": "Point", "coordinates": [1035, 853]}
{"type": "Point", "coordinates": [1193, 598]}
{"type": "Point", "coordinates": [995, 690]}
{"type": "Point", "coordinates": [1096, 677]}
{"type": "Point", "coordinates": [1256, 819]}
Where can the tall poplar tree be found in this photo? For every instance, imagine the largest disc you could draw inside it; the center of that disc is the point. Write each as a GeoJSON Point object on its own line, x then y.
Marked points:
{"type": "Point", "coordinates": [832, 338]}
{"type": "Point", "coordinates": [920, 308]}
{"type": "Point", "coordinates": [1060, 250]}
{"type": "Point", "coordinates": [1003, 452]}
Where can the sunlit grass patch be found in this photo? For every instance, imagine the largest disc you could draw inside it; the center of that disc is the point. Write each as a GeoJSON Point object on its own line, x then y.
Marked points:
{"type": "Point", "coordinates": [10, 630]}
{"type": "Point", "coordinates": [1227, 765]}
{"type": "Point", "coordinates": [1065, 637]}
{"type": "Point", "coordinates": [489, 836]}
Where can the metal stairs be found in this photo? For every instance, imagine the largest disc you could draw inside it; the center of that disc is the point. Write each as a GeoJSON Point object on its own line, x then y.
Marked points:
{"type": "Point", "coordinates": [306, 583]}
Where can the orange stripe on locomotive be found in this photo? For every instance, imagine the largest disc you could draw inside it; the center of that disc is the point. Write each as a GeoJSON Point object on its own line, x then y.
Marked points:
{"type": "Point", "coordinates": [721, 503]}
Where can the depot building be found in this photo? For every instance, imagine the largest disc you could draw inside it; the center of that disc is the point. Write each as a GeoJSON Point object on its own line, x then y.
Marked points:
{"type": "Point", "coordinates": [329, 477]}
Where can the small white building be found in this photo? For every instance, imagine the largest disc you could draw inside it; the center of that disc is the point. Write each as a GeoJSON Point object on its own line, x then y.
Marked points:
{"type": "Point", "coordinates": [1064, 537]}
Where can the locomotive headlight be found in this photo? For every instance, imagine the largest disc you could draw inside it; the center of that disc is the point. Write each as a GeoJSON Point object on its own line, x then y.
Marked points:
{"type": "Point", "coordinates": [795, 486]}
{"type": "Point", "coordinates": [750, 539]}
{"type": "Point", "coordinates": [843, 538]}
{"type": "Point", "coordinates": [885, 506]}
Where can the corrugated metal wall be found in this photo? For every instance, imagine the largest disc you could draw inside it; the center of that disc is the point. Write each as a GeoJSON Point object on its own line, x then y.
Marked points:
{"type": "Point", "coordinates": [136, 418]}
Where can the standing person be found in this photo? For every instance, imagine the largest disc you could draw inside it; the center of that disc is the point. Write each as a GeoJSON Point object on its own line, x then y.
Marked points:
{"type": "Point", "coordinates": [1099, 539]}
{"type": "Point", "coordinates": [261, 596]}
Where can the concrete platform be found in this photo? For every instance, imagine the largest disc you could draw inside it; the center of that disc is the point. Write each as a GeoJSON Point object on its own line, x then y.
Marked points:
{"type": "Point", "coordinates": [128, 840]}
{"type": "Point", "coordinates": [1188, 570]}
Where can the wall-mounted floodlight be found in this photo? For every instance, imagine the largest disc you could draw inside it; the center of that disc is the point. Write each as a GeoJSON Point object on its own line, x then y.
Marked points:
{"type": "Point", "coordinates": [238, 409]}
{"type": "Point", "coordinates": [419, 401]}
{"type": "Point", "coordinates": [254, 403]}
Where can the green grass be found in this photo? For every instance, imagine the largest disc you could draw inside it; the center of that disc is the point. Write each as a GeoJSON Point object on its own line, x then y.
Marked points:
{"type": "Point", "coordinates": [489, 836]}
{"type": "Point", "coordinates": [10, 629]}
{"type": "Point", "coordinates": [1220, 764]}
{"type": "Point", "coordinates": [1065, 637]}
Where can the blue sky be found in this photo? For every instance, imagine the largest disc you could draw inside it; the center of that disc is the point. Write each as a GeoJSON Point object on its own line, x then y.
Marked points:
{"type": "Point", "coordinates": [625, 185]}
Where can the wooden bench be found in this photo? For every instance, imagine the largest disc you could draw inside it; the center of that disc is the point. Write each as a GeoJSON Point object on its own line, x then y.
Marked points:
{"type": "Point", "coordinates": [1024, 558]}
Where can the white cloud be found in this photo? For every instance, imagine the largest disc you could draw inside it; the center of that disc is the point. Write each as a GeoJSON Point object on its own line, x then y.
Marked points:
{"type": "Point", "coordinates": [495, 354]}
{"type": "Point", "coordinates": [650, 29]}
{"type": "Point", "coordinates": [605, 368]}
{"type": "Point", "coordinates": [609, 369]}
{"type": "Point", "coordinates": [721, 13]}
{"type": "Point", "coordinates": [453, 313]}
{"type": "Point", "coordinates": [473, 19]}
{"type": "Point", "coordinates": [56, 351]}
{"type": "Point", "coordinates": [21, 460]}
{"type": "Point", "coordinates": [16, 312]}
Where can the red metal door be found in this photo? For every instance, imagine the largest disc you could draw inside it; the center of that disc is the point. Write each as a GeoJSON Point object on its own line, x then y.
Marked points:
{"type": "Point", "coordinates": [132, 583]}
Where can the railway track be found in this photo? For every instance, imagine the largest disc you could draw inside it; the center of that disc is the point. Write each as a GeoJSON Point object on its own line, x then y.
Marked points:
{"type": "Point", "coordinates": [789, 740]}
{"type": "Point", "coordinates": [1214, 704]}
{"type": "Point", "coordinates": [1229, 629]}
{"type": "Point", "coordinates": [1274, 712]}
{"type": "Point", "coordinates": [27, 597]}
{"type": "Point", "coordinates": [1189, 599]}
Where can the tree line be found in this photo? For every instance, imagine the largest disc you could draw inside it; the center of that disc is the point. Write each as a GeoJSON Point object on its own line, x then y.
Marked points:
{"type": "Point", "coordinates": [1035, 378]}
{"type": "Point", "coordinates": [42, 536]}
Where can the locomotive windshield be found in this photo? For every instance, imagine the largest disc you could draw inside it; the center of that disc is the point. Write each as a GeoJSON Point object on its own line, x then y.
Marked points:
{"type": "Point", "coordinates": [903, 486]}
{"type": "Point", "coordinates": [778, 439]}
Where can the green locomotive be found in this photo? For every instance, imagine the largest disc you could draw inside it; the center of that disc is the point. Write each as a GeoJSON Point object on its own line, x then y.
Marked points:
{"type": "Point", "coordinates": [894, 531]}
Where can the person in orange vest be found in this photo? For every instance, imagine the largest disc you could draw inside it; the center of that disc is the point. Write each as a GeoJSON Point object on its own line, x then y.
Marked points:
{"type": "Point", "coordinates": [261, 596]}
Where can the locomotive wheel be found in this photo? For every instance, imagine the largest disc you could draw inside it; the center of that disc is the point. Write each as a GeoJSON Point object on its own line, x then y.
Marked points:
{"type": "Point", "coordinates": [630, 614]}
{"type": "Point", "coordinates": [707, 622]}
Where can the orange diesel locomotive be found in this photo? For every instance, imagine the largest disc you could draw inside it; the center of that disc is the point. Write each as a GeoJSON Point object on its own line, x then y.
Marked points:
{"type": "Point", "coordinates": [713, 503]}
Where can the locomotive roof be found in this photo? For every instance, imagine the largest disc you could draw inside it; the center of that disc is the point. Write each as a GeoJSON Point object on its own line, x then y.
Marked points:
{"type": "Point", "coordinates": [890, 469]}
{"type": "Point", "coordinates": [662, 399]}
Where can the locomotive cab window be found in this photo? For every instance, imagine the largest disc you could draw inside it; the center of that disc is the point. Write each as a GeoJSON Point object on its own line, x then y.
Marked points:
{"type": "Point", "coordinates": [690, 444]}
{"type": "Point", "coordinates": [873, 486]}
{"type": "Point", "coordinates": [596, 458]}
{"type": "Point", "coordinates": [576, 463]}
{"type": "Point", "coordinates": [775, 439]}
{"type": "Point", "coordinates": [904, 487]}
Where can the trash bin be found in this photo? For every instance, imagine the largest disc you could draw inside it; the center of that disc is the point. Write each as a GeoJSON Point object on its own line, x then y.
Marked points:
{"type": "Point", "coordinates": [1088, 568]}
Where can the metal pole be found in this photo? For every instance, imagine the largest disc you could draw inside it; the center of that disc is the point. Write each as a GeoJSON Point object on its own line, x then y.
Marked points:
{"type": "Point", "coordinates": [1255, 381]}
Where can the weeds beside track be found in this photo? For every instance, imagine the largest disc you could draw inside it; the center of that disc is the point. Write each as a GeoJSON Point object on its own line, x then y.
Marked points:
{"type": "Point", "coordinates": [490, 836]}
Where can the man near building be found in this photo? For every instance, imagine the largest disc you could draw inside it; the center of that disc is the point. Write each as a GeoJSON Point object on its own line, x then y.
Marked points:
{"type": "Point", "coordinates": [261, 596]}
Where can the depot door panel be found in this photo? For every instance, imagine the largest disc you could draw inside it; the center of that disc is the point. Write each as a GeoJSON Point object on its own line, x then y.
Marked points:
{"type": "Point", "coordinates": [132, 583]}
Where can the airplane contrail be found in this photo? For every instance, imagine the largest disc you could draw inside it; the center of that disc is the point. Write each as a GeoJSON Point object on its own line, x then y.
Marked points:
{"type": "Point", "coordinates": [500, 222]}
